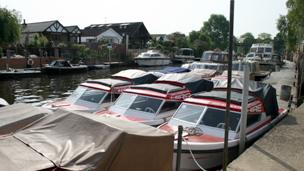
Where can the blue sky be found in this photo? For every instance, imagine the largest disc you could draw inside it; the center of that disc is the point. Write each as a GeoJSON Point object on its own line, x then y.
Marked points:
{"type": "Point", "coordinates": [159, 16]}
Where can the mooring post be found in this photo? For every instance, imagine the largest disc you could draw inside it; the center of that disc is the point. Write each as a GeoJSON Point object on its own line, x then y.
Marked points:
{"type": "Point", "coordinates": [179, 147]}
{"type": "Point", "coordinates": [244, 109]}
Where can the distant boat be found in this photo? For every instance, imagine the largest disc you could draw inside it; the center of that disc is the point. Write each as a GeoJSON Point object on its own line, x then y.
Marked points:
{"type": "Point", "coordinates": [184, 55]}
{"type": "Point", "coordinates": [63, 67]}
{"type": "Point", "coordinates": [18, 73]}
{"type": "Point", "coordinates": [152, 58]}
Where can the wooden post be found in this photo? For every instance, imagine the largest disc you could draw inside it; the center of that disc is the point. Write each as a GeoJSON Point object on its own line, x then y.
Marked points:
{"type": "Point", "coordinates": [179, 148]}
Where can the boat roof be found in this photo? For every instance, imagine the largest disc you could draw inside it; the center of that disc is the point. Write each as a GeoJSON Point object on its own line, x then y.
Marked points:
{"type": "Point", "coordinates": [110, 82]}
{"type": "Point", "coordinates": [221, 94]}
{"type": "Point", "coordinates": [159, 87]}
{"type": "Point", "coordinates": [172, 70]}
{"type": "Point", "coordinates": [135, 76]}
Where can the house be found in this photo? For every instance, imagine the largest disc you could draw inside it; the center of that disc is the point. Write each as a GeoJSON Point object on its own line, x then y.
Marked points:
{"type": "Point", "coordinates": [135, 33]}
{"type": "Point", "coordinates": [160, 37]}
{"type": "Point", "coordinates": [53, 30]}
{"type": "Point", "coordinates": [74, 34]}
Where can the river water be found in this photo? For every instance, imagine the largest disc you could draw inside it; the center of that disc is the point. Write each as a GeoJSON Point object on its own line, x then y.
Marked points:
{"type": "Point", "coordinates": [45, 87]}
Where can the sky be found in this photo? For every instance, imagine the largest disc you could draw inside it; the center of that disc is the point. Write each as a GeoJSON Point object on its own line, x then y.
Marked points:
{"type": "Point", "coordinates": [159, 16]}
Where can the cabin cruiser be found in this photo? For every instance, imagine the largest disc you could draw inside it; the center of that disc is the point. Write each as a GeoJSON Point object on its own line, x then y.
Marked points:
{"type": "Point", "coordinates": [202, 116]}
{"type": "Point", "coordinates": [205, 65]}
{"type": "Point", "coordinates": [215, 56]}
{"type": "Point", "coordinates": [184, 55]}
{"type": "Point", "coordinates": [154, 104]}
{"type": "Point", "coordinates": [260, 51]}
{"type": "Point", "coordinates": [63, 67]}
{"type": "Point", "coordinates": [152, 58]}
{"type": "Point", "coordinates": [94, 95]}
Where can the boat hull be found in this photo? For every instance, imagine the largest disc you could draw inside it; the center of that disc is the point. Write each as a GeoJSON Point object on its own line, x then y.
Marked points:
{"type": "Point", "coordinates": [64, 70]}
{"type": "Point", "coordinates": [152, 62]}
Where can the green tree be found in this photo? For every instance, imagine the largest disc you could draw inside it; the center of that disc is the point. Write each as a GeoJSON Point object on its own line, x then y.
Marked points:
{"type": "Point", "coordinates": [10, 29]}
{"type": "Point", "coordinates": [264, 38]}
{"type": "Point", "coordinates": [178, 39]}
{"type": "Point", "coordinates": [246, 40]}
{"type": "Point", "coordinates": [199, 42]}
{"type": "Point", "coordinates": [217, 28]}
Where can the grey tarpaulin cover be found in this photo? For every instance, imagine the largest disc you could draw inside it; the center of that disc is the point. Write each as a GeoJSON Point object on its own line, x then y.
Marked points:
{"type": "Point", "coordinates": [238, 83]}
{"type": "Point", "coordinates": [136, 76]}
{"type": "Point", "coordinates": [193, 82]}
{"type": "Point", "coordinates": [75, 141]}
{"type": "Point", "coordinates": [17, 116]}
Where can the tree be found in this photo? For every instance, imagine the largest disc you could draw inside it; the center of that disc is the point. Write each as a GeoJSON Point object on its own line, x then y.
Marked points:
{"type": "Point", "coordinates": [246, 41]}
{"type": "Point", "coordinates": [199, 42]}
{"type": "Point", "coordinates": [264, 38]}
{"type": "Point", "coordinates": [217, 28]}
{"type": "Point", "coordinates": [178, 39]}
{"type": "Point", "coordinates": [279, 44]}
{"type": "Point", "coordinates": [10, 29]}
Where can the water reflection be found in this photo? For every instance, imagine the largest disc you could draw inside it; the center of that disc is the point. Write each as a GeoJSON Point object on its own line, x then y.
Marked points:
{"type": "Point", "coordinates": [31, 90]}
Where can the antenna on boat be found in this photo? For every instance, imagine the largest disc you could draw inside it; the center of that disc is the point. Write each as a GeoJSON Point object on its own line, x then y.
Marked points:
{"type": "Point", "coordinates": [231, 20]}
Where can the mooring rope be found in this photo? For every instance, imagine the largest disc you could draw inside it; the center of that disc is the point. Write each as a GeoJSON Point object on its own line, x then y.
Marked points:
{"type": "Point", "coordinates": [196, 162]}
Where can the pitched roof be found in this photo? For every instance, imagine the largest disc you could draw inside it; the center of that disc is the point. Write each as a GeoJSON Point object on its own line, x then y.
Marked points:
{"type": "Point", "coordinates": [40, 26]}
{"type": "Point", "coordinates": [121, 28]}
{"type": "Point", "coordinates": [73, 29]}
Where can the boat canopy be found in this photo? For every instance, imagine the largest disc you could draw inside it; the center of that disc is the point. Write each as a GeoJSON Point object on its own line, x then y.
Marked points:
{"type": "Point", "coordinates": [172, 70]}
{"type": "Point", "coordinates": [60, 63]}
{"type": "Point", "coordinates": [267, 94]}
{"type": "Point", "coordinates": [236, 82]}
{"type": "Point", "coordinates": [193, 82]}
{"type": "Point", "coordinates": [135, 76]}
{"type": "Point", "coordinates": [109, 82]}
{"type": "Point", "coordinates": [75, 141]}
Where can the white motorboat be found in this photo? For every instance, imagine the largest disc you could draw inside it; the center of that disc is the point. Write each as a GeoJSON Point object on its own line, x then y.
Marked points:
{"type": "Point", "coordinates": [152, 58]}
{"type": "Point", "coordinates": [3, 102]}
{"type": "Point", "coordinates": [202, 117]}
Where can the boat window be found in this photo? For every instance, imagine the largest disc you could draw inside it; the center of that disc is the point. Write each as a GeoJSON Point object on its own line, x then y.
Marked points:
{"type": "Point", "coordinates": [216, 118]}
{"type": "Point", "coordinates": [146, 54]}
{"type": "Point", "coordinates": [146, 104]}
{"type": "Point", "coordinates": [108, 98]}
{"type": "Point", "coordinates": [253, 49]}
{"type": "Point", "coordinates": [252, 119]}
{"type": "Point", "coordinates": [250, 55]}
{"type": "Point", "coordinates": [155, 55]}
{"type": "Point", "coordinates": [189, 113]}
{"type": "Point", "coordinates": [93, 95]}
{"type": "Point", "coordinates": [76, 94]}
{"type": "Point", "coordinates": [260, 50]}
{"type": "Point", "coordinates": [125, 100]}
{"type": "Point", "coordinates": [268, 50]}
{"type": "Point", "coordinates": [206, 56]}
{"type": "Point", "coordinates": [167, 106]}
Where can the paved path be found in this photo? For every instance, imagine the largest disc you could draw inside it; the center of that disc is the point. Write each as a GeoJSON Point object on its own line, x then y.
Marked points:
{"type": "Point", "coordinates": [283, 147]}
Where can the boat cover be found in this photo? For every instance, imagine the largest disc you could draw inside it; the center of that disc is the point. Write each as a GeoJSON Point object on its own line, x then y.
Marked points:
{"type": "Point", "coordinates": [237, 83]}
{"type": "Point", "coordinates": [75, 141]}
{"type": "Point", "coordinates": [110, 82]}
{"type": "Point", "coordinates": [173, 70]}
{"type": "Point", "coordinates": [205, 65]}
{"type": "Point", "coordinates": [17, 116]}
{"type": "Point", "coordinates": [136, 76]}
{"type": "Point", "coordinates": [192, 81]}
{"type": "Point", "coordinates": [205, 73]}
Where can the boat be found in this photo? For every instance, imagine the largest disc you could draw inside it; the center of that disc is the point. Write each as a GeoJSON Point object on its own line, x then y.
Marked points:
{"type": "Point", "coordinates": [216, 56]}
{"type": "Point", "coordinates": [168, 70]}
{"type": "Point", "coordinates": [3, 102]}
{"type": "Point", "coordinates": [63, 67]}
{"type": "Point", "coordinates": [202, 116]}
{"type": "Point", "coordinates": [260, 52]}
{"type": "Point", "coordinates": [18, 73]}
{"type": "Point", "coordinates": [184, 55]}
{"type": "Point", "coordinates": [152, 58]}
{"type": "Point", "coordinates": [69, 140]}
{"type": "Point", "coordinates": [256, 73]}
{"type": "Point", "coordinates": [220, 67]}
{"type": "Point", "coordinates": [94, 95]}
{"type": "Point", "coordinates": [154, 104]}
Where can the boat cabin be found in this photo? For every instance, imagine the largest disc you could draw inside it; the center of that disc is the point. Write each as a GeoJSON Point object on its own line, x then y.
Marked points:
{"type": "Point", "coordinates": [215, 56]}
{"type": "Point", "coordinates": [97, 94]}
{"type": "Point", "coordinates": [154, 104]}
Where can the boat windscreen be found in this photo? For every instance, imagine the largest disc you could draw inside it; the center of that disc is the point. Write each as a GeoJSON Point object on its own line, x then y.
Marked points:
{"type": "Point", "coordinates": [216, 118]}
{"type": "Point", "coordinates": [138, 103]}
{"type": "Point", "coordinates": [189, 113]}
{"type": "Point", "coordinates": [85, 96]}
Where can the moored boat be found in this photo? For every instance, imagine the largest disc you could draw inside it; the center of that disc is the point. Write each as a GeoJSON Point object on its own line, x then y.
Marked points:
{"type": "Point", "coordinates": [184, 55]}
{"type": "Point", "coordinates": [18, 73]}
{"type": "Point", "coordinates": [202, 117]}
{"type": "Point", "coordinates": [63, 67]}
{"type": "Point", "coordinates": [94, 95]}
{"type": "Point", "coordinates": [3, 102]}
{"type": "Point", "coordinates": [152, 58]}
{"type": "Point", "coordinates": [154, 104]}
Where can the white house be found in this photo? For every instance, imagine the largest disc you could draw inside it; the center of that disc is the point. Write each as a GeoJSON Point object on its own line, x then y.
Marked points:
{"type": "Point", "coordinates": [109, 35]}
